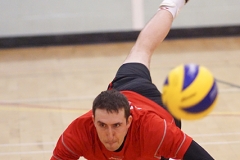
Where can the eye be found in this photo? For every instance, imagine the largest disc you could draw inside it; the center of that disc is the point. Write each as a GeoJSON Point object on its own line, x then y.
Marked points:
{"type": "Point", "coordinates": [102, 125]}
{"type": "Point", "coordinates": [117, 125]}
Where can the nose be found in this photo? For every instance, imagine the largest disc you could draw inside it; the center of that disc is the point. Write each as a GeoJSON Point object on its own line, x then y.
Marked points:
{"type": "Point", "coordinates": [110, 134]}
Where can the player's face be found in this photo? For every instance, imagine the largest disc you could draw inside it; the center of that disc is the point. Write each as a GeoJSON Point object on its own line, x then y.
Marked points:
{"type": "Point", "coordinates": [111, 128]}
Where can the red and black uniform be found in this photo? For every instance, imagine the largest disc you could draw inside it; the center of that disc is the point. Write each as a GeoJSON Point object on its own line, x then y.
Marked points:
{"type": "Point", "coordinates": [152, 134]}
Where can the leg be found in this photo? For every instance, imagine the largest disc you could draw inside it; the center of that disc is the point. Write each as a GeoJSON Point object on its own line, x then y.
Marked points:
{"type": "Point", "coordinates": [154, 32]}
{"type": "Point", "coordinates": [136, 77]}
{"type": "Point", "coordinates": [150, 37]}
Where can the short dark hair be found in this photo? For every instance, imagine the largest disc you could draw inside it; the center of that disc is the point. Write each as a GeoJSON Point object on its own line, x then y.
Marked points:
{"type": "Point", "coordinates": [112, 101]}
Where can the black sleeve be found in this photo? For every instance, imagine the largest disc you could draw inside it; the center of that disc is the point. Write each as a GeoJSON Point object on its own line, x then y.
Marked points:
{"type": "Point", "coordinates": [196, 152]}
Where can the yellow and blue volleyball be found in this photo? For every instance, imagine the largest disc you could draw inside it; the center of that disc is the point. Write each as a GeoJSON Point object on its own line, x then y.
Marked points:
{"type": "Point", "coordinates": [190, 92]}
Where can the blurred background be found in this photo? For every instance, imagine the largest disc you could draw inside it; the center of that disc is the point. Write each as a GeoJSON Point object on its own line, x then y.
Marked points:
{"type": "Point", "coordinates": [46, 22]}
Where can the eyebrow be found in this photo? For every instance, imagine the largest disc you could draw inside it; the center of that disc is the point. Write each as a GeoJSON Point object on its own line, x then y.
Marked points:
{"type": "Point", "coordinates": [111, 124]}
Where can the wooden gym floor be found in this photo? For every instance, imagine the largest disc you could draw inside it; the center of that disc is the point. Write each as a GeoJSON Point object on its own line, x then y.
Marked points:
{"type": "Point", "coordinates": [43, 89]}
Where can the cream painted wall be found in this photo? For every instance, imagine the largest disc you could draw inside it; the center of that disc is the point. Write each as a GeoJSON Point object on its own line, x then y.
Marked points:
{"type": "Point", "coordinates": [49, 17]}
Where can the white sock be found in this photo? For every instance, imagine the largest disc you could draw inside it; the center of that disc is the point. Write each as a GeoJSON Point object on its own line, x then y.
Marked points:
{"type": "Point", "coordinates": [172, 6]}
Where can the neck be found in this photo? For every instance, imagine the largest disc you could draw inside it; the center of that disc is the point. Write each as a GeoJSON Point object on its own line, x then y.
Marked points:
{"type": "Point", "coordinates": [121, 147]}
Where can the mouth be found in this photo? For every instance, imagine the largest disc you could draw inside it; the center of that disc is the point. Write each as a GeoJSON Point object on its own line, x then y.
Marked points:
{"type": "Point", "coordinates": [110, 143]}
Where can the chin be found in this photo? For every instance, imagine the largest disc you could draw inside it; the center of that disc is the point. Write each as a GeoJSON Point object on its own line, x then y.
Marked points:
{"type": "Point", "coordinates": [111, 148]}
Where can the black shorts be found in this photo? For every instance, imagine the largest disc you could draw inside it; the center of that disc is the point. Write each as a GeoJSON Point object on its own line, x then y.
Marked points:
{"type": "Point", "coordinates": [136, 77]}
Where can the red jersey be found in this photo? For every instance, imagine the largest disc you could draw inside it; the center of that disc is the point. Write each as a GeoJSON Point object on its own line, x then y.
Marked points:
{"type": "Point", "coordinates": [152, 134]}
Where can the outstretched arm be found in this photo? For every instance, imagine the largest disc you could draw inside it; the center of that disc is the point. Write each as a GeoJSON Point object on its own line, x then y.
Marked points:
{"type": "Point", "coordinates": [154, 32]}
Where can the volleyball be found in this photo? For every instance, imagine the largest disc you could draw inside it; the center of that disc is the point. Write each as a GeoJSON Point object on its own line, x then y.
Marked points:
{"type": "Point", "coordinates": [190, 92]}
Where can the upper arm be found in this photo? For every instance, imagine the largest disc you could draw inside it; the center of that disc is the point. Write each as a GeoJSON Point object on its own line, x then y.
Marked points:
{"type": "Point", "coordinates": [194, 149]}
{"type": "Point", "coordinates": [164, 139]}
{"type": "Point", "coordinates": [70, 143]}
{"type": "Point", "coordinates": [174, 143]}
{"type": "Point", "coordinates": [65, 149]}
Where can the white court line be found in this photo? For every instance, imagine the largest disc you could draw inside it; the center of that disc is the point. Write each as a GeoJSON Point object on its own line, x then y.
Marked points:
{"type": "Point", "coordinates": [215, 134]}
{"type": "Point", "coordinates": [90, 97]}
{"type": "Point", "coordinates": [53, 99]}
{"type": "Point", "coordinates": [229, 90]}
{"type": "Point", "coordinates": [28, 144]}
{"type": "Point", "coordinates": [50, 151]}
{"type": "Point", "coordinates": [20, 153]}
{"type": "Point", "coordinates": [217, 143]}
{"type": "Point", "coordinates": [53, 143]}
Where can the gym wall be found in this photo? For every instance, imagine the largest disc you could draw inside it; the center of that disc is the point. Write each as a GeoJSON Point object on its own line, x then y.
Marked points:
{"type": "Point", "coordinates": [33, 18]}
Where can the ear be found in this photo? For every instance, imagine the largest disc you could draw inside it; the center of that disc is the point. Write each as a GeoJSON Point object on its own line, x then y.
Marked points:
{"type": "Point", "coordinates": [129, 121]}
{"type": "Point", "coordinates": [93, 118]}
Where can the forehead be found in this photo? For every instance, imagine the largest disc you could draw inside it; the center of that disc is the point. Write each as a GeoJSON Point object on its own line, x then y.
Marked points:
{"type": "Point", "coordinates": [109, 117]}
